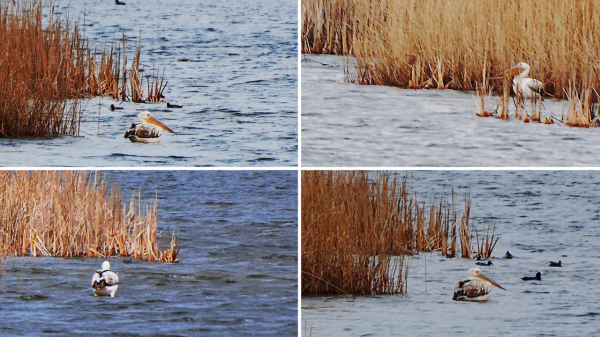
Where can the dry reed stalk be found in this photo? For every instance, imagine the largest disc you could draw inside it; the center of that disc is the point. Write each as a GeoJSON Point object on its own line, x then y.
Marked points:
{"type": "Point", "coordinates": [71, 213]}
{"type": "Point", "coordinates": [136, 88]}
{"type": "Point", "coordinates": [579, 108]}
{"type": "Point", "coordinates": [357, 229]}
{"type": "Point", "coordinates": [465, 232]}
{"type": "Point", "coordinates": [504, 101]}
{"type": "Point", "coordinates": [390, 37]}
{"type": "Point", "coordinates": [156, 89]}
{"type": "Point", "coordinates": [485, 248]}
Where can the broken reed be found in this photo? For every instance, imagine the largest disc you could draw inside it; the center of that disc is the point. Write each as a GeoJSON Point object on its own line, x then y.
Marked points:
{"type": "Point", "coordinates": [399, 42]}
{"type": "Point", "coordinates": [45, 70]}
{"type": "Point", "coordinates": [74, 213]}
{"type": "Point", "coordinates": [357, 229]}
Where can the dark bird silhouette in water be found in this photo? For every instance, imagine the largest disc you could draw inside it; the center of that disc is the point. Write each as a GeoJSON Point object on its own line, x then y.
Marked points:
{"type": "Point", "coordinates": [174, 106]}
{"type": "Point", "coordinates": [113, 107]}
{"type": "Point", "coordinates": [537, 277]}
{"type": "Point", "coordinates": [556, 264]}
{"type": "Point", "coordinates": [117, 2]}
{"type": "Point", "coordinates": [489, 263]}
{"type": "Point", "coordinates": [508, 255]}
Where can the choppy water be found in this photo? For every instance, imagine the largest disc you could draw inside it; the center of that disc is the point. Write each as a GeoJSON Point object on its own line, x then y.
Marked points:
{"type": "Point", "coordinates": [346, 124]}
{"type": "Point", "coordinates": [541, 216]}
{"type": "Point", "coordinates": [233, 65]}
{"type": "Point", "coordinates": [237, 275]}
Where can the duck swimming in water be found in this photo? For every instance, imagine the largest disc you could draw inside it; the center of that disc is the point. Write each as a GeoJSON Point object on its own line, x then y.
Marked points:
{"type": "Point", "coordinates": [508, 255]}
{"type": "Point", "coordinates": [489, 263]}
{"type": "Point", "coordinates": [537, 277]}
{"type": "Point", "coordinates": [556, 264]}
{"type": "Point", "coordinates": [113, 107]}
{"type": "Point", "coordinates": [117, 2]}
{"type": "Point", "coordinates": [174, 106]}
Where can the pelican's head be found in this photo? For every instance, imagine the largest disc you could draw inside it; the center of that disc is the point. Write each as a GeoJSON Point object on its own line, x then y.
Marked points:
{"type": "Point", "coordinates": [146, 116]}
{"type": "Point", "coordinates": [478, 274]}
{"type": "Point", "coordinates": [105, 265]}
{"type": "Point", "coordinates": [521, 69]}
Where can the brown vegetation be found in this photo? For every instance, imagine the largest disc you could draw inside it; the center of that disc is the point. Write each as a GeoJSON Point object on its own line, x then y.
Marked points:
{"type": "Point", "coordinates": [406, 43]}
{"type": "Point", "coordinates": [73, 213]}
{"type": "Point", "coordinates": [45, 70]}
{"type": "Point", "coordinates": [357, 228]}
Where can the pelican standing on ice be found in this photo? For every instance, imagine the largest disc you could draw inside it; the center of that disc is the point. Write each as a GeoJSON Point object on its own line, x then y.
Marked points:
{"type": "Point", "coordinates": [105, 282]}
{"type": "Point", "coordinates": [528, 87]}
{"type": "Point", "coordinates": [149, 130]}
{"type": "Point", "coordinates": [477, 287]}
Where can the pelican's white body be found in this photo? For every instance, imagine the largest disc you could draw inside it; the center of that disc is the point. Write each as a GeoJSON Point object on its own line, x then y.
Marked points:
{"type": "Point", "coordinates": [528, 87]}
{"type": "Point", "coordinates": [105, 282]}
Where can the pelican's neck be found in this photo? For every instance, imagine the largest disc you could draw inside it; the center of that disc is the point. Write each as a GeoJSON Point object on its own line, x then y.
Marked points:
{"type": "Point", "coordinates": [524, 73]}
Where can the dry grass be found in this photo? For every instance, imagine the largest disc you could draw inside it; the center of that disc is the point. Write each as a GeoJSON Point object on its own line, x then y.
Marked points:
{"type": "Point", "coordinates": [408, 43]}
{"type": "Point", "coordinates": [71, 213]}
{"type": "Point", "coordinates": [487, 244]}
{"type": "Point", "coordinates": [45, 70]}
{"type": "Point", "coordinates": [357, 229]}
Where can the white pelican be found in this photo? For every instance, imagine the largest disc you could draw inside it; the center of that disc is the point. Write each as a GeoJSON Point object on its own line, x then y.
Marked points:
{"type": "Point", "coordinates": [149, 130]}
{"type": "Point", "coordinates": [477, 287]}
{"type": "Point", "coordinates": [525, 85]}
{"type": "Point", "coordinates": [105, 282]}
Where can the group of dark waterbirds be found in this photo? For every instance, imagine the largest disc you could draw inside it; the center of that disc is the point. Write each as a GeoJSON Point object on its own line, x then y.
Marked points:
{"type": "Point", "coordinates": [169, 106]}
{"type": "Point", "coordinates": [508, 255]}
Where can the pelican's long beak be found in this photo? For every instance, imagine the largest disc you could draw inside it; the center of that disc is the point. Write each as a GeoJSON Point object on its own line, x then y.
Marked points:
{"type": "Point", "coordinates": [159, 124]}
{"type": "Point", "coordinates": [514, 70]}
{"type": "Point", "coordinates": [485, 278]}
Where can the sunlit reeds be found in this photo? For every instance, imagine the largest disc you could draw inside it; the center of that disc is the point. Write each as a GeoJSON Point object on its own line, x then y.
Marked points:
{"type": "Point", "coordinates": [358, 227]}
{"type": "Point", "coordinates": [407, 43]}
{"type": "Point", "coordinates": [73, 213]}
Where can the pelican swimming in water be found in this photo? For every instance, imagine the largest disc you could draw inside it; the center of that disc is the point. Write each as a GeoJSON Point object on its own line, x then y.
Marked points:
{"type": "Point", "coordinates": [105, 282]}
{"type": "Point", "coordinates": [149, 130]}
{"type": "Point", "coordinates": [477, 287]}
{"type": "Point", "coordinates": [528, 87]}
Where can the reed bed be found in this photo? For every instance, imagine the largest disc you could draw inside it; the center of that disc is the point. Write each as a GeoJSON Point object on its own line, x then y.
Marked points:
{"type": "Point", "coordinates": [357, 230]}
{"type": "Point", "coordinates": [46, 69]}
{"type": "Point", "coordinates": [73, 213]}
{"type": "Point", "coordinates": [445, 43]}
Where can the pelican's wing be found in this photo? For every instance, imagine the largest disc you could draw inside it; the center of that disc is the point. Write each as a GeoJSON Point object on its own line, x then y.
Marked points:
{"type": "Point", "coordinates": [145, 131]}
{"type": "Point", "coordinates": [111, 278]}
{"type": "Point", "coordinates": [533, 84]}
{"type": "Point", "coordinates": [469, 290]}
{"type": "Point", "coordinates": [95, 279]}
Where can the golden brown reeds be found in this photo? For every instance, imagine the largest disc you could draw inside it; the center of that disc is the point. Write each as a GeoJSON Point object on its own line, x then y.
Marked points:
{"type": "Point", "coordinates": [328, 26]}
{"type": "Point", "coordinates": [156, 89]}
{"type": "Point", "coordinates": [486, 247]}
{"type": "Point", "coordinates": [73, 213]}
{"type": "Point", "coordinates": [357, 228]}
{"type": "Point", "coordinates": [44, 64]}
{"type": "Point", "coordinates": [579, 108]}
{"type": "Point", "coordinates": [40, 68]}
{"type": "Point", "coordinates": [136, 88]}
{"type": "Point", "coordinates": [402, 43]}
